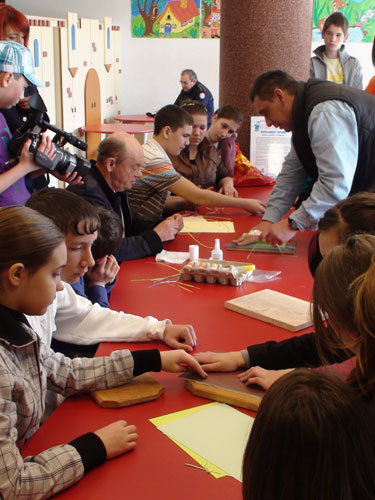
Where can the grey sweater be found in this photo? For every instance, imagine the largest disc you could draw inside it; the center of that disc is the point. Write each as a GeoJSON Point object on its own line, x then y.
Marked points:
{"type": "Point", "coordinates": [350, 65]}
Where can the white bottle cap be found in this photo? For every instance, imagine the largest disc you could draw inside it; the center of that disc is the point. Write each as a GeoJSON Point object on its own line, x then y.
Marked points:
{"type": "Point", "coordinates": [193, 252]}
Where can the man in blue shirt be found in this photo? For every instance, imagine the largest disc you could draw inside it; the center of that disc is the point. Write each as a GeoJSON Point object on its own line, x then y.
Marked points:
{"type": "Point", "coordinates": [333, 142]}
{"type": "Point", "coordinates": [195, 91]}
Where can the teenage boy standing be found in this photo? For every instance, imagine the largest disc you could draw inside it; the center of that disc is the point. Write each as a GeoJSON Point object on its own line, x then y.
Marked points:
{"type": "Point", "coordinates": [331, 61]}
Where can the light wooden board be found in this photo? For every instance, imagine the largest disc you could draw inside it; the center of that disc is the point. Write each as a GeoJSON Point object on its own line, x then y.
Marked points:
{"type": "Point", "coordinates": [142, 388]}
{"type": "Point", "coordinates": [273, 307]}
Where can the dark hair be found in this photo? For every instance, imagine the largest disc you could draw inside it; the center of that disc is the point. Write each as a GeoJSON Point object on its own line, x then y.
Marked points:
{"type": "Point", "coordinates": [27, 237]}
{"type": "Point", "coordinates": [171, 116]}
{"type": "Point", "coordinates": [230, 113]}
{"type": "Point", "coordinates": [111, 147]}
{"type": "Point", "coordinates": [344, 302]}
{"type": "Point", "coordinates": [110, 233]}
{"type": "Point", "coordinates": [373, 52]}
{"type": "Point", "coordinates": [355, 214]}
{"type": "Point", "coordinates": [10, 15]}
{"type": "Point", "coordinates": [66, 210]}
{"type": "Point", "coordinates": [192, 74]}
{"type": "Point", "coordinates": [194, 107]}
{"type": "Point", "coordinates": [338, 19]}
{"type": "Point", "coordinates": [266, 83]}
{"type": "Point", "coordinates": [312, 439]}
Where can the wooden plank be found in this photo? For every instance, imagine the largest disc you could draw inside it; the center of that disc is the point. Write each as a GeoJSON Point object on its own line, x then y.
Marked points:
{"type": "Point", "coordinates": [224, 387]}
{"type": "Point", "coordinates": [248, 401]}
{"type": "Point", "coordinates": [142, 388]}
{"type": "Point", "coordinates": [273, 307]}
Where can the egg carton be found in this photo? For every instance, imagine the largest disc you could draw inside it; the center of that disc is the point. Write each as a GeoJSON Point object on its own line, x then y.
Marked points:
{"type": "Point", "coordinates": [224, 272]}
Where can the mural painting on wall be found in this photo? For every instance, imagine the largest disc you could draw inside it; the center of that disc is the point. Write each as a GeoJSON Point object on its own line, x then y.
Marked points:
{"type": "Point", "coordinates": [210, 18]}
{"type": "Point", "coordinates": [360, 15]}
{"type": "Point", "coordinates": [165, 19]}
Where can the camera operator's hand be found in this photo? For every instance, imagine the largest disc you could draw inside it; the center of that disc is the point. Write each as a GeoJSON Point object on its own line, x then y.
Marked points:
{"type": "Point", "coordinates": [27, 160]}
{"type": "Point", "coordinates": [72, 178]}
{"type": "Point", "coordinates": [24, 103]}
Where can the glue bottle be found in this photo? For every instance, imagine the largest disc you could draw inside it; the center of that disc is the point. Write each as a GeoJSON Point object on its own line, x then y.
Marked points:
{"type": "Point", "coordinates": [217, 253]}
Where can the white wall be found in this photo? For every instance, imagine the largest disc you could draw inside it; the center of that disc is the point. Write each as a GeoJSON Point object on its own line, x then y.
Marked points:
{"type": "Point", "coordinates": [151, 66]}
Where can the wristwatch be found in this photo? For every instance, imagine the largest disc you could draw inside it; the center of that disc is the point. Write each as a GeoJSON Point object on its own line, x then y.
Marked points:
{"type": "Point", "coordinates": [292, 224]}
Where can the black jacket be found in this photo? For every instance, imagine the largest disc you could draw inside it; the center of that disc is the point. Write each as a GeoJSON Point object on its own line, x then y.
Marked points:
{"type": "Point", "coordinates": [295, 352]}
{"type": "Point", "coordinates": [140, 240]}
{"type": "Point", "coordinates": [312, 93]}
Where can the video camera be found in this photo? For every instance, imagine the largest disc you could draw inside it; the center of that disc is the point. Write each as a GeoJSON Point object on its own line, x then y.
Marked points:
{"type": "Point", "coordinates": [63, 162]}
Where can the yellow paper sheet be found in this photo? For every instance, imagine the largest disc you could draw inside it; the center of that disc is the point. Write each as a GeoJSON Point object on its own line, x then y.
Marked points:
{"type": "Point", "coordinates": [217, 433]}
{"type": "Point", "coordinates": [198, 224]}
{"type": "Point", "coordinates": [171, 417]}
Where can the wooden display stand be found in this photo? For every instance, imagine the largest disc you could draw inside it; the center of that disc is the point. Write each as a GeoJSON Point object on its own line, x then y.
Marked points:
{"type": "Point", "coordinates": [143, 388]}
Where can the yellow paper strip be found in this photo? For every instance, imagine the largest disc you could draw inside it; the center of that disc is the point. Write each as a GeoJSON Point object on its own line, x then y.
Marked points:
{"type": "Point", "coordinates": [198, 224]}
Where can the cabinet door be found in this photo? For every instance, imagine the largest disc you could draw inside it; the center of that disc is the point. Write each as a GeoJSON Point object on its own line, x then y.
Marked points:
{"type": "Point", "coordinates": [92, 111]}
{"type": "Point", "coordinates": [48, 70]}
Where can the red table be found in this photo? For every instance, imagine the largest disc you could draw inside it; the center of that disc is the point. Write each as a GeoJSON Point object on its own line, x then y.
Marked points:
{"type": "Point", "coordinates": [109, 128]}
{"type": "Point", "coordinates": [139, 130]}
{"type": "Point", "coordinates": [156, 468]}
{"type": "Point", "coordinates": [135, 119]}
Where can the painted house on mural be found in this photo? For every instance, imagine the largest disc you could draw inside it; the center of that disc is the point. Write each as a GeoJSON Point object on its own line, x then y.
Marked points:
{"type": "Point", "coordinates": [177, 16]}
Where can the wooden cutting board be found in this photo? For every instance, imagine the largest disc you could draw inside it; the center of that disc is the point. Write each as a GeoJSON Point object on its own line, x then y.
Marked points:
{"type": "Point", "coordinates": [225, 388]}
{"type": "Point", "coordinates": [140, 389]}
{"type": "Point", "coordinates": [273, 307]}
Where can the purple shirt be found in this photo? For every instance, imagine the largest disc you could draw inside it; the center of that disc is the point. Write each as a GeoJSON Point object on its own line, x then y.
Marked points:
{"type": "Point", "coordinates": [17, 193]}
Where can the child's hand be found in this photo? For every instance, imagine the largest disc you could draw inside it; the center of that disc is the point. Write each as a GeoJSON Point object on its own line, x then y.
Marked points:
{"type": "Point", "coordinates": [262, 377]}
{"type": "Point", "coordinates": [118, 438]}
{"type": "Point", "coordinates": [180, 337]}
{"type": "Point", "coordinates": [178, 361]}
{"type": "Point", "coordinates": [255, 207]}
{"type": "Point", "coordinates": [229, 190]}
{"type": "Point", "coordinates": [105, 271]}
{"type": "Point", "coordinates": [220, 361]}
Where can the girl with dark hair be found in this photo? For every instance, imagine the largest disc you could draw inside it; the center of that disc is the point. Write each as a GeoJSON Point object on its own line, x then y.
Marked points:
{"type": "Point", "coordinates": [313, 438]}
{"type": "Point", "coordinates": [32, 256]}
{"type": "Point", "coordinates": [199, 161]}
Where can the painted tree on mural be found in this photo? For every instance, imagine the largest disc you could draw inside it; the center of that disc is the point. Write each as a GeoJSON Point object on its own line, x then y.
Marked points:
{"type": "Point", "coordinates": [207, 4]}
{"type": "Point", "coordinates": [149, 12]}
{"type": "Point", "coordinates": [360, 15]}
